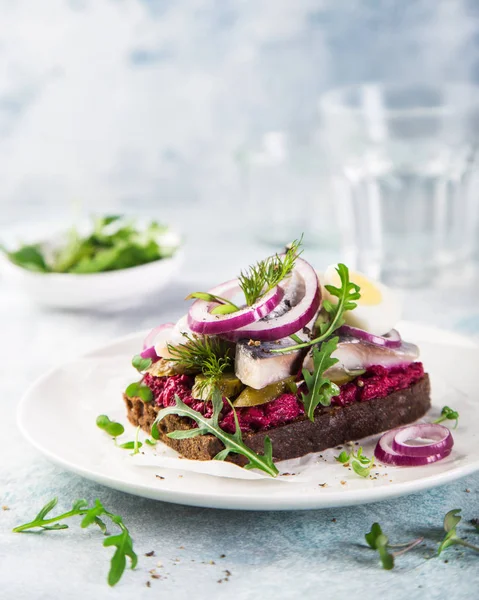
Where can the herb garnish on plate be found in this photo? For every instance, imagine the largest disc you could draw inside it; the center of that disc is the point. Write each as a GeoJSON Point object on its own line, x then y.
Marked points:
{"type": "Point", "coordinates": [257, 280]}
{"type": "Point", "coordinates": [360, 463]}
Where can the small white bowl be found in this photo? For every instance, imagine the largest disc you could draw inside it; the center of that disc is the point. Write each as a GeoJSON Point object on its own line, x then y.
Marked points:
{"type": "Point", "coordinates": [108, 290]}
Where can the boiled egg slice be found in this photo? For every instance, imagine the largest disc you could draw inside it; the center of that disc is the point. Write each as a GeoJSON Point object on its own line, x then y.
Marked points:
{"type": "Point", "coordinates": [377, 311]}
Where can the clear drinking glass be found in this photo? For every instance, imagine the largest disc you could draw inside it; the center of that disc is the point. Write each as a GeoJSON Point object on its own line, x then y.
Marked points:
{"type": "Point", "coordinates": [403, 159]}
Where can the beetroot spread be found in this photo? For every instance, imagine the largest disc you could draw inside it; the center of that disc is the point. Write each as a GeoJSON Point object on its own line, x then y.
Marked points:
{"type": "Point", "coordinates": [377, 382]}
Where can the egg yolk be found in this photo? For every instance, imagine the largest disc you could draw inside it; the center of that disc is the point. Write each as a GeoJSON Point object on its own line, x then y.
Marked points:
{"type": "Point", "coordinates": [370, 294]}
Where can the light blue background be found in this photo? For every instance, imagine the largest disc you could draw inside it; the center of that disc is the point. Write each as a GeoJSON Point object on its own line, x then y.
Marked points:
{"type": "Point", "coordinates": [142, 106]}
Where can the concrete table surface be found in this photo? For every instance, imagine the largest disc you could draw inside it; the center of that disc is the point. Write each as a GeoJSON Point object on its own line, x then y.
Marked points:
{"type": "Point", "coordinates": [206, 553]}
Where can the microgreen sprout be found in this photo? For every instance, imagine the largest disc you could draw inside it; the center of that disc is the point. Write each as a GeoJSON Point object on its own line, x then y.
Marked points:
{"type": "Point", "coordinates": [359, 462]}
{"type": "Point", "coordinates": [448, 414]}
{"type": "Point", "coordinates": [110, 427]}
{"type": "Point", "coordinates": [139, 390]}
{"type": "Point", "coordinates": [451, 521]}
{"type": "Point", "coordinates": [141, 364]}
{"type": "Point", "coordinates": [377, 540]}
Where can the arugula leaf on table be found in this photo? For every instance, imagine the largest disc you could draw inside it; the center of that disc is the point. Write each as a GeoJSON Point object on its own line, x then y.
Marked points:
{"type": "Point", "coordinates": [320, 389]}
{"type": "Point", "coordinates": [233, 442]}
{"type": "Point", "coordinates": [91, 515]}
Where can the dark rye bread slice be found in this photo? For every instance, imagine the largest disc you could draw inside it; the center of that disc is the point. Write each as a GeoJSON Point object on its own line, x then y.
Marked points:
{"type": "Point", "coordinates": [332, 426]}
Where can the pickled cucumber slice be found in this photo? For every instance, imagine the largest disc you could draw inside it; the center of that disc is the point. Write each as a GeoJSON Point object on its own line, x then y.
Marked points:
{"type": "Point", "coordinates": [251, 397]}
{"type": "Point", "coordinates": [229, 385]}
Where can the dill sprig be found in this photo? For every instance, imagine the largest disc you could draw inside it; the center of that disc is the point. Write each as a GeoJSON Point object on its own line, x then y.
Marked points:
{"type": "Point", "coordinates": [209, 355]}
{"type": "Point", "coordinates": [262, 277]}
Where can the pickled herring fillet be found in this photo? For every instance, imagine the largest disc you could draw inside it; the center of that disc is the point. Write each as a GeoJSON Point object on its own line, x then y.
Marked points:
{"type": "Point", "coordinates": [256, 366]}
{"type": "Point", "coordinates": [354, 355]}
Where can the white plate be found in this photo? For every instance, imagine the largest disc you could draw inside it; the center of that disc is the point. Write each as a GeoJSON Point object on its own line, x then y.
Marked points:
{"type": "Point", "coordinates": [57, 415]}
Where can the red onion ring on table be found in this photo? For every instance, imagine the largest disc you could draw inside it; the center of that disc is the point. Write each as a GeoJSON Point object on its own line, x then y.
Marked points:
{"type": "Point", "coordinates": [441, 436]}
{"type": "Point", "coordinates": [390, 340]}
{"type": "Point", "coordinates": [152, 339]}
{"type": "Point", "coordinates": [294, 319]}
{"type": "Point", "coordinates": [384, 452]}
{"type": "Point", "coordinates": [200, 319]}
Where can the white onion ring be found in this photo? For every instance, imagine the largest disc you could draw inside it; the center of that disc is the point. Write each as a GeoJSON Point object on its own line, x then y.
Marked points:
{"type": "Point", "coordinates": [384, 453]}
{"type": "Point", "coordinates": [294, 319]}
{"type": "Point", "coordinates": [432, 431]}
{"type": "Point", "coordinates": [389, 340]}
{"type": "Point", "coordinates": [200, 319]}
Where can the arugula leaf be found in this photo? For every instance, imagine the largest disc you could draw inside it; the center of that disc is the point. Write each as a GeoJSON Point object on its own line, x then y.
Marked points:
{"type": "Point", "coordinates": [49, 506]}
{"type": "Point", "coordinates": [233, 442]}
{"type": "Point", "coordinates": [111, 427]}
{"type": "Point", "coordinates": [139, 390]}
{"type": "Point", "coordinates": [91, 515]}
{"type": "Point", "coordinates": [332, 315]}
{"type": "Point", "coordinates": [320, 389]}
{"type": "Point", "coordinates": [30, 257]}
{"type": "Point", "coordinates": [141, 364]}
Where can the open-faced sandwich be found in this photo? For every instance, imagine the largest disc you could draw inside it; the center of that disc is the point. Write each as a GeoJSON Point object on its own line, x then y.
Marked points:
{"type": "Point", "coordinates": [278, 363]}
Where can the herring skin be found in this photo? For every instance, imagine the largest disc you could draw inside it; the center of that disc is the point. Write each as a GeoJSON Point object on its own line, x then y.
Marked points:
{"type": "Point", "coordinates": [257, 366]}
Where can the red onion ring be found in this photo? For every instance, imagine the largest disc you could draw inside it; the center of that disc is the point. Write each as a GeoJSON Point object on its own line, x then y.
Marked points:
{"type": "Point", "coordinates": [441, 435]}
{"type": "Point", "coordinates": [385, 453]}
{"type": "Point", "coordinates": [200, 319]}
{"type": "Point", "coordinates": [150, 340]}
{"type": "Point", "coordinates": [390, 340]}
{"type": "Point", "coordinates": [294, 319]}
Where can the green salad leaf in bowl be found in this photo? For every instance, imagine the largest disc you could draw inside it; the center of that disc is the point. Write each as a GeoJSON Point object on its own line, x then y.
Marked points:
{"type": "Point", "coordinates": [115, 242]}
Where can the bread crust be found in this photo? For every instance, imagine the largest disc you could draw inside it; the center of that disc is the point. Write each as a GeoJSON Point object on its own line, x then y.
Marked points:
{"type": "Point", "coordinates": [332, 426]}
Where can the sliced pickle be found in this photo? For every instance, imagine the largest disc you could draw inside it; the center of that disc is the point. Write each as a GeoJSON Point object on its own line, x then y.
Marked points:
{"type": "Point", "coordinates": [166, 368]}
{"type": "Point", "coordinates": [229, 385]}
{"type": "Point", "coordinates": [342, 377]}
{"type": "Point", "coordinates": [251, 397]}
